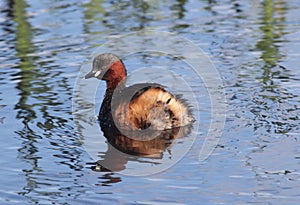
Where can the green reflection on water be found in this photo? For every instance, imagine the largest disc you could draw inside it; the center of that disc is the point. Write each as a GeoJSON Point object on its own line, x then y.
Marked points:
{"type": "Point", "coordinates": [272, 29]}
{"type": "Point", "coordinates": [36, 98]}
{"type": "Point", "coordinates": [272, 96]}
{"type": "Point", "coordinates": [24, 47]}
{"type": "Point", "coordinates": [25, 111]}
{"type": "Point", "coordinates": [93, 9]}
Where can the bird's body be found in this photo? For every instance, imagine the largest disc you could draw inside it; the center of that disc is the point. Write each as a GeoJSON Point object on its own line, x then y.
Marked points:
{"type": "Point", "coordinates": [140, 106]}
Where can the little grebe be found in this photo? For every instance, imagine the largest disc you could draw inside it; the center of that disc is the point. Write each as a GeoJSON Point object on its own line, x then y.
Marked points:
{"type": "Point", "coordinates": [149, 106]}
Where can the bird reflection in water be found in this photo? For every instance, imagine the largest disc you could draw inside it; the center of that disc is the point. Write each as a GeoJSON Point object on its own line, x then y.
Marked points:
{"type": "Point", "coordinates": [137, 147]}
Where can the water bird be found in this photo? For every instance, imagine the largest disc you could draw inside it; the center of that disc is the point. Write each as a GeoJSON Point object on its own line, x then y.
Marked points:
{"type": "Point", "coordinates": [140, 106]}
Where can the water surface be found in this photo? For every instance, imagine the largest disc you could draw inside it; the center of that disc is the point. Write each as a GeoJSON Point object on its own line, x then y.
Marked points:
{"type": "Point", "coordinates": [255, 48]}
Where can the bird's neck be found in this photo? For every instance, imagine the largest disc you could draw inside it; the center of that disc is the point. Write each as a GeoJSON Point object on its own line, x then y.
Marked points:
{"type": "Point", "coordinates": [115, 75]}
{"type": "Point", "coordinates": [115, 81]}
{"type": "Point", "coordinates": [105, 110]}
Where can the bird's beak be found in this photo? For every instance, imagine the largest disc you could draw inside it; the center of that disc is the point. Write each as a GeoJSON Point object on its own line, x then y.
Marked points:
{"type": "Point", "coordinates": [97, 74]}
{"type": "Point", "coordinates": [89, 75]}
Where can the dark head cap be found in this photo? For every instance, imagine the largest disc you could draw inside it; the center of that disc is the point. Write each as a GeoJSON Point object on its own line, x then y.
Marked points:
{"type": "Point", "coordinates": [101, 64]}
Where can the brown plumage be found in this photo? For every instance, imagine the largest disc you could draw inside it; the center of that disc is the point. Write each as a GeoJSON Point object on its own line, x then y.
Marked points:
{"type": "Point", "coordinates": [140, 106]}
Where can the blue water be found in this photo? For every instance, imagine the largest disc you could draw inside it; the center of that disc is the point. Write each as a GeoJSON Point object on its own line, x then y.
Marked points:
{"type": "Point", "coordinates": [46, 149]}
